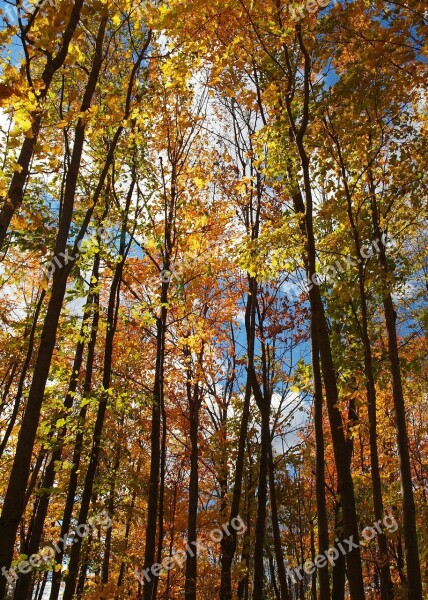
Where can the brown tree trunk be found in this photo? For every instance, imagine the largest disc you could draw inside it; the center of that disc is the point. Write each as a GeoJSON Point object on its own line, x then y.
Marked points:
{"type": "Point", "coordinates": [194, 400]}
{"type": "Point", "coordinates": [385, 575]}
{"type": "Point", "coordinates": [279, 555]}
{"type": "Point", "coordinates": [77, 452]}
{"type": "Point", "coordinates": [263, 401]}
{"type": "Point", "coordinates": [319, 329]}
{"type": "Point", "coordinates": [13, 506]}
{"type": "Point", "coordinates": [23, 587]}
{"type": "Point", "coordinates": [153, 502]}
{"type": "Point", "coordinates": [229, 542]}
{"type": "Point", "coordinates": [105, 570]}
{"type": "Point", "coordinates": [323, 537]}
{"type": "Point", "coordinates": [112, 314]}
{"type": "Point", "coordinates": [414, 580]}
{"type": "Point", "coordinates": [122, 570]}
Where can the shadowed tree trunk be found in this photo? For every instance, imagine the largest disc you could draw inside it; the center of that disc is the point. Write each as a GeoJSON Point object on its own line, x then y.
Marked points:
{"type": "Point", "coordinates": [13, 506]}
{"type": "Point", "coordinates": [414, 580]}
{"type": "Point", "coordinates": [112, 314]}
{"type": "Point", "coordinates": [279, 555]}
{"type": "Point", "coordinates": [194, 398]}
{"type": "Point", "coordinates": [23, 588]}
{"type": "Point", "coordinates": [319, 329]}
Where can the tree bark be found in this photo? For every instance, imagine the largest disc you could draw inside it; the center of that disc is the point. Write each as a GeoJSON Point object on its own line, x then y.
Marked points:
{"type": "Point", "coordinates": [319, 329]}
{"type": "Point", "coordinates": [279, 555]}
{"type": "Point", "coordinates": [77, 452]}
{"type": "Point", "coordinates": [23, 375]}
{"type": "Point", "coordinates": [414, 579]}
{"type": "Point", "coordinates": [23, 587]}
{"type": "Point", "coordinates": [13, 506]}
{"type": "Point", "coordinates": [385, 575]}
{"type": "Point", "coordinates": [112, 312]}
{"type": "Point", "coordinates": [194, 400]}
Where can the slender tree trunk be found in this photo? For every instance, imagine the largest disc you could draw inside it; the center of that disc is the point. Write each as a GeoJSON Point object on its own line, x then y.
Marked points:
{"type": "Point", "coordinates": [279, 555]}
{"type": "Point", "coordinates": [77, 452]}
{"type": "Point", "coordinates": [10, 376]}
{"type": "Point", "coordinates": [171, 535]}
{"type": "Point", "coordinates": [122, 570]}
{"type": "Point", "coordinates": [23, 588]}
{"type": "Point", "coordinates": [323, 537]}
{"type": "Point", "coordinates": [385, 576]}
{"type": "Point", "coordinates": [13, 506]}
{"type": "Point", "coordinates": [41, 593]}
{"type": "Point", "coordinates": [112, 313]}
{"type": "Point", "coordinates": [244, 584]}
{"type": "Point", "coordinates": [229, 542]}
{"type": "Point", "coordinates": [153, 504]}
{"type": "Point", "coordinates": [314, 575]}
{"type": "Point", "coordinates": [155, 452]}
{"type": "Point", "coordinates": [259, 570]}
{"type": "Point", "coordinates": [273, 577]}
{"type": "Point", "coordinates": [319, 329]}
{"type": "Point", "coordinates": [105, 570]}
{"type": "Point", "coordinates": [414, 580]}
{"type": "Point", "coordinates": [161, 512]}
{"type": "Point", "coordinates": [191, 561]}
{"type": "Point", "coordinates": [84, 566]}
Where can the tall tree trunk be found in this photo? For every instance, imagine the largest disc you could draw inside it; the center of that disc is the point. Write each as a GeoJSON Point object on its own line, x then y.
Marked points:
{"type": "Point", "coordinates": [105, 570]}
{"type": "Point", "coordinates": [244, 584]}
{"type": "Point", "coordinates": [78, 445]}
{"type": "Point", "coordinates": [155, 451]}
{"type": "Point", "coordinates": [23, 588]}
{"type": "Point", "coordinates": [153, 503]}
{"type": "Point", "coordinates": [13, 506]}
{"type": "Point", "coordinates": [112, 314]}
{"type": "Point", "coordinates": [263, 403]}
{"type": "Point", "coordinates": [385, 576]}
{"type": "Point", "coordinates": [414, 579]}
{"type": "Point", "coordinates": [172, 533]}
{"type": "Point", "coordinates": [339, 568]}
{"type": "Point", "coordinates": [162, 473]}
{"type": "Point", "coordinates": [229, 542]}
{"type": "Point", "coordinates": [128, 525]}
{"type": "Point", "coordinates": [279, 555]}
{"type": "Point", "coordinates": [191, 560]}
{"type": "Point", "coordinates": [323, 537]}
{"type": "Point", "coordinates": [319, 329]}
{"type": "Point", "coordinates": [7, 382]}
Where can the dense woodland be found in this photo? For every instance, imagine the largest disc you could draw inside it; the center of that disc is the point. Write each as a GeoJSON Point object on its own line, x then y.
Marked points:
{"type": "Point", "coordinates": [213, 341]}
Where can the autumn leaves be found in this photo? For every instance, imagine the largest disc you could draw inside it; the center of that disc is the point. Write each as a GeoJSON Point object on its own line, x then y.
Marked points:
{"type": "Point", "coordinates": [174, 169]}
